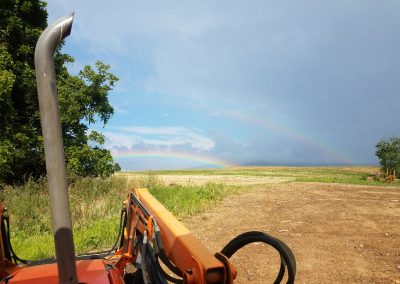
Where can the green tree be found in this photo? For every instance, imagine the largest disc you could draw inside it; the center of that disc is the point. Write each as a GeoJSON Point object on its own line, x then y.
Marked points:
{"type": "Point", "coordinates": [388, 153]}
{"type": "Point", "coordinates": [117, 167]}
{"type": "Point", "coordinates": [83, 100]}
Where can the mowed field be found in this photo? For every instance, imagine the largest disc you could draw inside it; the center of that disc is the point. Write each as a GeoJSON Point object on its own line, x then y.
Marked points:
{"type": "Point", "coordinates": [342, 226]}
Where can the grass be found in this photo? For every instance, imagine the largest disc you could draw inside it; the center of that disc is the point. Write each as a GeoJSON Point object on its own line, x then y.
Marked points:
{"type": "Point", "coordinates": [343, 175]}
{"type": "Point", "coordinates": [95, 208]}
{"type": "Point", "coordinates": [186, 200]}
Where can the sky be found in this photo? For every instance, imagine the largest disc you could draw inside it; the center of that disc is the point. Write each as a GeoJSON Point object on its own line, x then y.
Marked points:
{"type": "Point", "coordinates": [228, 83]}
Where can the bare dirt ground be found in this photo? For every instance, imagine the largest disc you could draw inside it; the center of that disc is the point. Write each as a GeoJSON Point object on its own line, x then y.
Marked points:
{"type": "Point", "coordinates": [338, 233]}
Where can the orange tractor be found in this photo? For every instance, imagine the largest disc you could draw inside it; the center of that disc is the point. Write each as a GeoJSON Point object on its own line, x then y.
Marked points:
{"type": "Point", "coordinates": [152, 245]}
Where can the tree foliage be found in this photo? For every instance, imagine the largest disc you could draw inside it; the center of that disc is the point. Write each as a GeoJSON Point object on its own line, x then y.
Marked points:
{"type": "Point", "coordinates": [117, 167]}
{"type": "Point", "coordinates": [388, 152]}
{"type": "Point", "coordinates": [83, 100]}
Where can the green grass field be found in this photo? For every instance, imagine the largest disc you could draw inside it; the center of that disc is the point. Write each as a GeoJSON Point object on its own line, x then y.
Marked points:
{"type": "Point", "coordinates": [344, 175]}
{"type": "Point", "coordinates": [96, 203]}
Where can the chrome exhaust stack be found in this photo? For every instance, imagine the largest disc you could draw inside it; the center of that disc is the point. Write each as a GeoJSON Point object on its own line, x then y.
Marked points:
{"type": "Point", "coordinates": [46, 46]}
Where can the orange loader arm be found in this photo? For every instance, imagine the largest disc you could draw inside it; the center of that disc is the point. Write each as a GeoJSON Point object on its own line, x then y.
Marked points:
{"type": "Point", "coordinates": [153, 235]}
{"type": "Point", "coordinates": [184, 249]}
{"type": "Point", "coordinates": [147, 220]}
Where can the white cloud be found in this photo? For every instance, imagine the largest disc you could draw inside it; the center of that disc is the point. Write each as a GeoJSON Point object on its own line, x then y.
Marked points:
{"type": "Point", "coordinates": [120, 110]}
{"type": "Point", "coordinates": [120, 140]}
{"type": "Point", "coordinates": [166, 138]}
{"type": "Point", "coordinates": [168, 130]}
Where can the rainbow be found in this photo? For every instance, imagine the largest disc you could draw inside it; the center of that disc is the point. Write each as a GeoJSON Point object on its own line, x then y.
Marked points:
{"type": "Point", "coordinates": [293, 134]}
{"type": "Point", "coordinates": [199, 158]}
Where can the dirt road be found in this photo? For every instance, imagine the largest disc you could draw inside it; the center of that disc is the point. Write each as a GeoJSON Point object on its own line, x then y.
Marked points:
{"type": "Point", "coordinates": [338, 233]}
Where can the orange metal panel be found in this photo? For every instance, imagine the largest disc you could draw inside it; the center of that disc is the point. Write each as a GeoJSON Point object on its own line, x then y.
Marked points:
{"type": "Point", "coordinates": [115, 277]}
{"type": "Point", "coordinates": [89, 271]}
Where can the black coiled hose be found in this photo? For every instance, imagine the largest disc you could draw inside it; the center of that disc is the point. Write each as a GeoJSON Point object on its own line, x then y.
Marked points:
{"type": "Point", "coordinates": [287, 257]}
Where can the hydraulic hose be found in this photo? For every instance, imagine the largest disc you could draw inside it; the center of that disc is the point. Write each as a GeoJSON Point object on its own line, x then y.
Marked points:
{"type": "Point", "coordinates": [166, 275]}
{"type": "Point", "coordinates": [287, 257]}
{"type": "Point", "coordinates": [14, 255]}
